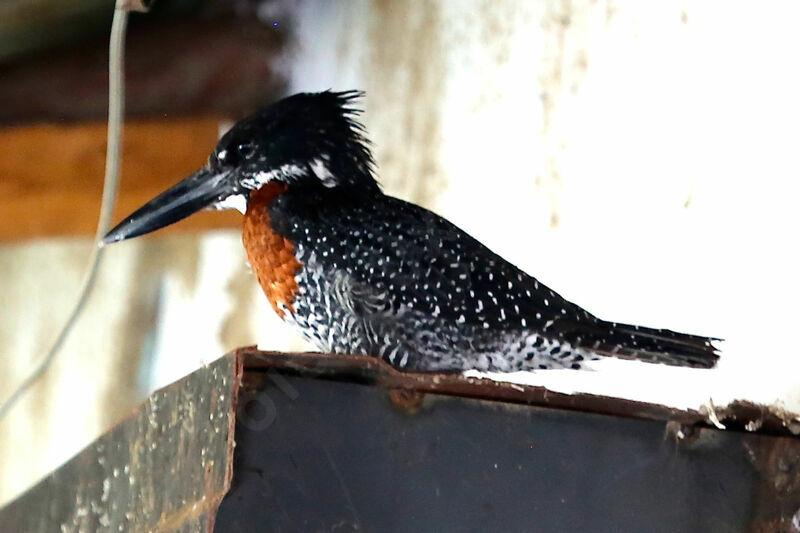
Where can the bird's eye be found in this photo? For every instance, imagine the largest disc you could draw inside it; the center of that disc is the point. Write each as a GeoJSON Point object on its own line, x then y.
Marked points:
{"type": "Point", "coordinates": [233, 155]}
{"type": "Point", "coordinates": [246, 150]}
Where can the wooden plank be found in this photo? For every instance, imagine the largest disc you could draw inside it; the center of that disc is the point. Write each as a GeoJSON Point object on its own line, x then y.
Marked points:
{"type": "Point", "coordinates": [52, 175]}
{"type": "Point", "coordinates": [214, 64]}
{"type": "Point", "coordinates": [32, 25]}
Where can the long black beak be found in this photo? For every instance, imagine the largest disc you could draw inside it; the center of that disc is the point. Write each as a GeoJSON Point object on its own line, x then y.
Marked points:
{"type": "Point", "coordinates": [187, 197]}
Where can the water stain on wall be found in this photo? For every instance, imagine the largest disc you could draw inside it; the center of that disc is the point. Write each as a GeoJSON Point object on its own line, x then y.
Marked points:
{"type": "Point", "coordinates": [410, 82]}
{"type": "Point", "coordinates": [561, 73]}
{"type": "Point", "coordinates": [238, 326]}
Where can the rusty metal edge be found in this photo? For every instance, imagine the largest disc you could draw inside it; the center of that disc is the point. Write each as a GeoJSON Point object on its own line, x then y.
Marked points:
{"type": "Point", "coordinates": [736, 416]}
{"type": "Point", "coordinates": [236, 385]}
{"type": "Point", "coordinates": [208, 505]}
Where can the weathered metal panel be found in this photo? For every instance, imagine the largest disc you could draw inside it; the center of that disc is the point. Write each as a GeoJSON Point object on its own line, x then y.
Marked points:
{"type": "Point", "coordinates": [164, 468]}
{"type": "Point", "coordinates": [348, 444]}
{"type": "Point", "coordinates": [314, 454]}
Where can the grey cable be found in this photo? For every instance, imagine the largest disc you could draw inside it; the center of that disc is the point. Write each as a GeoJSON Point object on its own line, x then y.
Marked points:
{"type": "Point", "coordinates": [116, 106]}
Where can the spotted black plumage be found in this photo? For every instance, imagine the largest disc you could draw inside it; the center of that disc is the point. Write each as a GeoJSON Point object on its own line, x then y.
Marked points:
{"type": "Point", "coordinates": [379, 276]}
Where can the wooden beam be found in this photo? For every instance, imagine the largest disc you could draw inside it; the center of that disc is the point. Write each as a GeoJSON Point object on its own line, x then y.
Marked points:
{"type": "Point", "coordinates": [190, 66]}
{"type": "Point", "coordinates": [52, 176]}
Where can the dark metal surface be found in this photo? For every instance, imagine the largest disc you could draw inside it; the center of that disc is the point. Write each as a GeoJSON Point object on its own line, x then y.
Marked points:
{"type": "Point", "coordinates": [339, 443]}
{"type": "Point", "coordinates": [164, 468]}
{"type": "Point", "coordinates": [738, 415]}
{"type": "Point", "coordinates": [314, 454]}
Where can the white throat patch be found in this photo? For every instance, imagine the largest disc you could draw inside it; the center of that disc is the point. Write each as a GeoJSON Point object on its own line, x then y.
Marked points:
{"type": "Point", "coordinates": [234, 201]}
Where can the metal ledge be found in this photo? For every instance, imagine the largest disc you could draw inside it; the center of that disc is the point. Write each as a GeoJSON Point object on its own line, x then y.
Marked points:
{"type": "Point", "coordinates": [737, 416]}
{"type": "Point", "coordinates": [347, 443]}
{"type": "Point", "coordinates": [166, 467]}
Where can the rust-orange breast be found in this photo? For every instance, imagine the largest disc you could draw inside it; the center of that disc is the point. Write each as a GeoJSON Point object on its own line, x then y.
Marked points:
{"type": "Point", "coordinates": [271, 255]}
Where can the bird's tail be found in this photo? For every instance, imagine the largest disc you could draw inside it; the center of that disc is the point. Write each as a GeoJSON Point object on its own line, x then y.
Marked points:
{"type": "Point", "coordinates": [650, 345]}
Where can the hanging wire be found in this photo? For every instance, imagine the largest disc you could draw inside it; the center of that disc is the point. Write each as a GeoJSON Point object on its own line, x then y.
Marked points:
{"type": "Point", "coordinates": [116, 106]}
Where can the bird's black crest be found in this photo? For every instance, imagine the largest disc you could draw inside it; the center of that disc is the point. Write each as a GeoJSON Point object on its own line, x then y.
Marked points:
{"type": "Point", "coordinates": [306, 138]}
{"type": "Point", "coordinates": [361, 147]}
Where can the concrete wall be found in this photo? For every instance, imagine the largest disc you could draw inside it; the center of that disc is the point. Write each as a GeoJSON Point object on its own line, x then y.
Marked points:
{"type": "Point", "coordinates": [638, 157]}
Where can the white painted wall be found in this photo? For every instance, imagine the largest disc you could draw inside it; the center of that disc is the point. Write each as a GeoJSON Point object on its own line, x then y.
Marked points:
{"type": "Point", "coordinates": [638, 157]}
